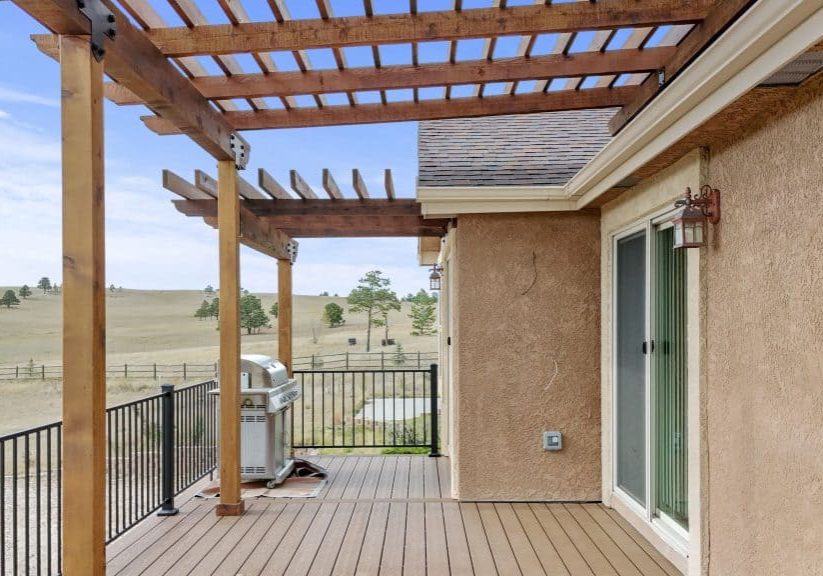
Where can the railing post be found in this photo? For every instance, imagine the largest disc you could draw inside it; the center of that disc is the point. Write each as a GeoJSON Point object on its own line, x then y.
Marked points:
{"type": "Point", "coordinates": [168, 508]}
{"type": "Point", "coordinates": [347, 360]}
{"type": "Point", "coordinates": [418, 359]}
{"type": "Point", "coordinates": [184, 371]}
{"type": "Point", "coordinates": [155, 370]}
{"type": "Point", "coordinates": [435, 443]}
{"type": "Point", "coordinates": [125, 370]}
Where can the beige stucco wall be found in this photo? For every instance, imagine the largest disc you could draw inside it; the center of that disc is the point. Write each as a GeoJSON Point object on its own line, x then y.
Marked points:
{"type": "Point", "coordinates": [527, 356]}
{"type": "Point", "coordinates": [764, 336]}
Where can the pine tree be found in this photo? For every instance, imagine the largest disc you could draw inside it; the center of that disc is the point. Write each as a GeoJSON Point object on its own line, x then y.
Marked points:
{"type": "Point", "coordinates": [214, 308]}
{"type": "Point", "coordinates": [44, 284]}
{"type": "Point", "coordinates": [275, 310]}
{"type": "Point", "coordinates": [370, 296]}
{"type": "Point", "coordinates": [399, 355]}
{"type": "Point", "coordinates": [24, 291]}
{"type": "Point", "coordinates": [204, 311]}
{"type": "Point", "coordinates": [9, 299]}
{"type": "Point", "coordinates": [252, 315]}
{"type": "Point", "coordinates": [423, 314]}
{"type": "Point", "coordinates": [209, 290]}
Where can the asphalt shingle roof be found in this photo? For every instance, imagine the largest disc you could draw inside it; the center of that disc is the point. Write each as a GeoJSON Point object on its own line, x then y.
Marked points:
{"type": "Point", "coordinates": [522, 150]}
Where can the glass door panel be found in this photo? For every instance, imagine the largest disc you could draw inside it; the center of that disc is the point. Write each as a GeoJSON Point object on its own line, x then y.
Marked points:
{"type": "Point", "coordinates": [630, 407]}
{"type": "Point", "coordinates": [669, 376]}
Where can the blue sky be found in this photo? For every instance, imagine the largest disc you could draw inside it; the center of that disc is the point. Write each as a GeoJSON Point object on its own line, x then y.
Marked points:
{"type": "Point", "coordinates": [149, 244]}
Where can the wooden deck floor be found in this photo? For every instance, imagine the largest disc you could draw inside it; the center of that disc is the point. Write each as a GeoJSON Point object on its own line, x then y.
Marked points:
{"type": "Point", "coordinates": [388, 515]}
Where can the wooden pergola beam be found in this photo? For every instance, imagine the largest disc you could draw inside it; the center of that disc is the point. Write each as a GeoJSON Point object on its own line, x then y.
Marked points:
{"type": "Point", "coordinates": [136, 63]}
{"type": "Point", "coordinates": [423, 110]}
{"type": "Point", "coordinates": [716, 21]}
{"type": "Point", "coordinates": [374, 30]}
{"type": "Point", "coordinates": [374, 207]}
{"type": "Point", "coordinates": [407, 76]}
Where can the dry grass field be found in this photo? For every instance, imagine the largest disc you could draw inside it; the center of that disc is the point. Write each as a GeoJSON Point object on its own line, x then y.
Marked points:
{"type": "Point", "coordinates": [146, 327]}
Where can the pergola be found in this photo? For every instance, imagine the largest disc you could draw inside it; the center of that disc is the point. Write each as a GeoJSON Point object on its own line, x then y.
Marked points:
{"type": "Point", "coordinates": [608, 53]}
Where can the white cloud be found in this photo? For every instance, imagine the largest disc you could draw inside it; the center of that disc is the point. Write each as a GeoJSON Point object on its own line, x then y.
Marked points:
{"type": "Point", "coordinates": [14, 95]}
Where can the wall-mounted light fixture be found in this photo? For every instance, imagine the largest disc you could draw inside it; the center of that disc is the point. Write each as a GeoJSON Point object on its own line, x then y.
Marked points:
{"type": "Point", "coordinates": [695, 211]}
{"type": "Point", "coordinates": [434, 278]}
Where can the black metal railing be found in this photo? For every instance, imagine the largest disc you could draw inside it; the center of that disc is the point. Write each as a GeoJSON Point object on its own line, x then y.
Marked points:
{"type": "Point", "coordinates": [367, 409]}
{"type": "Point", "coordinates": [367, 361]}
{"type": "Point", "coordinates": [139, 479]}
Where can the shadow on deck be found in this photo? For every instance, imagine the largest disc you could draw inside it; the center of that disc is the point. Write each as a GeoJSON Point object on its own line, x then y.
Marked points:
{"type": "Point", "coordinates": [387, 515]}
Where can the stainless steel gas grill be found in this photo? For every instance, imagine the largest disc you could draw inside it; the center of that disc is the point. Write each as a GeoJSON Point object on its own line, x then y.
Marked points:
{"type": "Point", "coordinates": [266, 396]}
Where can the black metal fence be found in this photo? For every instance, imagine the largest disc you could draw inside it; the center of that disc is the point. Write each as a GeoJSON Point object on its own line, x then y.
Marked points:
{"type": "Point", "coordinates": [367, 409]}
{"type": "Point", "coordinates": [367, 361]}
{"type": "Point", "coordinates": [31, 468]}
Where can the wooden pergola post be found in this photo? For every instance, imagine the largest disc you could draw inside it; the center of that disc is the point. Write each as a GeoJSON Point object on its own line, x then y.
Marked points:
{"type": "Point", "coordinates": [284, 316]}
{"type": "Point", "coordinates": [228, 215]}
{"type": "Point", "coordinates": [84, 311]}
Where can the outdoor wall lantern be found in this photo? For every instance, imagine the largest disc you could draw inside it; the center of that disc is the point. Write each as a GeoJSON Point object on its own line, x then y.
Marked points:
{"type": "Point", "coordinates": [695, 210]}
{"type": "Point", "coordinates": [434, 278]}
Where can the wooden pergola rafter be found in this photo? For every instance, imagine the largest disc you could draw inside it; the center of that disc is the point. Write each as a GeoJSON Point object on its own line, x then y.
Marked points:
{"type": "Point", "coordinates": [602, 71]}
{"type": "Point", "coordinates": [272, 210]}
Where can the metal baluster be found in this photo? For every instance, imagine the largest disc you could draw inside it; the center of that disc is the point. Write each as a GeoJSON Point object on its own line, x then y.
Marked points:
{"type": "Point", "coordinates": [435, 446]}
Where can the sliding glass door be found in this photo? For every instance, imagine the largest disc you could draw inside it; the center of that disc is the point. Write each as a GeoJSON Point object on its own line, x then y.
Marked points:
{"type": "Point", "coordinates": [669, 377]}
{"type": "Point", "coordinates": [651, 448]}
{"type": "Point", "coordinates": [631, 365]}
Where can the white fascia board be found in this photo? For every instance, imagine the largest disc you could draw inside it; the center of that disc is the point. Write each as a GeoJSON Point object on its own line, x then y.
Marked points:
{"type": "Point", "coordinates": [765, 38]}
{"type": "Point", "coordinates": [449, 201]}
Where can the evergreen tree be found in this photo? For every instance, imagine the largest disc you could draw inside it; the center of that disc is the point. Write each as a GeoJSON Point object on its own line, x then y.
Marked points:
{"type": "Point", "coordinates": [252, 315]}
{"type": "Point", "coordinates": [112, 288]}
{"type": "Point", "coordinates": [399, 355]}
{"type": "Point", "coordinates": [24, 291]}
{"type": "Point", "coordinates": [275, 310]}
{"type": "Point", "coordinates": [370, 296]}
{"type": "Point", "coordinates": [9, 299]}
{"type": "Point", "coordinates": [204, 311]}
{"type": "Point", "coordinates": [423, 314]}
{"type": "Point", "coordinates": [383, 310]}
{"type": "Point", "coordinates": [333, 315]}
{"type": "Point", "coordinates": [214, 308]}
{"type": "Point", "coordinates": [209, 290]}
{"type": "Point", "coordinates": [44, 284]}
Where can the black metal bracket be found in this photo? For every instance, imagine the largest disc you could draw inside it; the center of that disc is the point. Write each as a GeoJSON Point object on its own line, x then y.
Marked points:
{"type": "Point", "coordinates": [241, 150]}
{"type": "Point", "coordinates": [291, 250]}
{"type": "Point", "coordinates": [103, 24]}
{"type": "Point", "coordinates": [661, 76]}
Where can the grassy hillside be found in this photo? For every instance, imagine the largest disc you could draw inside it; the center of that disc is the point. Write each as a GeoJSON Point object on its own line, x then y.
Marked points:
{"type": "Point", "coordinates": [144, 327]}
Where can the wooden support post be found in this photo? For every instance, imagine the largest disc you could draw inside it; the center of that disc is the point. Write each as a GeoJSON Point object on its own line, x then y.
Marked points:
{"type": "Point", "coordinates": [284, 316]}
{"type": "Point", "coordinates": [228, 215]}
{"type": "Point", "coordinates": [84, 311]}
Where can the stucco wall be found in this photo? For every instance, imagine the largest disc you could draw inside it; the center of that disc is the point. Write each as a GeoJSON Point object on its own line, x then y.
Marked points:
{"type": "Point", "coordinates": [528, 356]}
{"type": "Point", "coordinates": [764, 337]}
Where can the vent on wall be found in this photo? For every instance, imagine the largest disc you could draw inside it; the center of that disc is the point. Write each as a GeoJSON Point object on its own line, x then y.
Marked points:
{"type": "Point", "coordinates": [797, 70]}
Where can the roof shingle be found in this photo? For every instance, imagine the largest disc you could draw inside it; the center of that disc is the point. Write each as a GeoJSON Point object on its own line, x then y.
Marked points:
{"type": "Point", "coordinates": [544, 149]}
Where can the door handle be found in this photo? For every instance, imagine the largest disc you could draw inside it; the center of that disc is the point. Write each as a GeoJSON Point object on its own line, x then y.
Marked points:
{"type": "Point", "coordinates": [648, 347]}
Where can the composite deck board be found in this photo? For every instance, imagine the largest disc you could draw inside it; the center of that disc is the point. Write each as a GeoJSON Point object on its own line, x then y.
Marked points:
{"type": "Point", "coordinates": [388, 515]}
